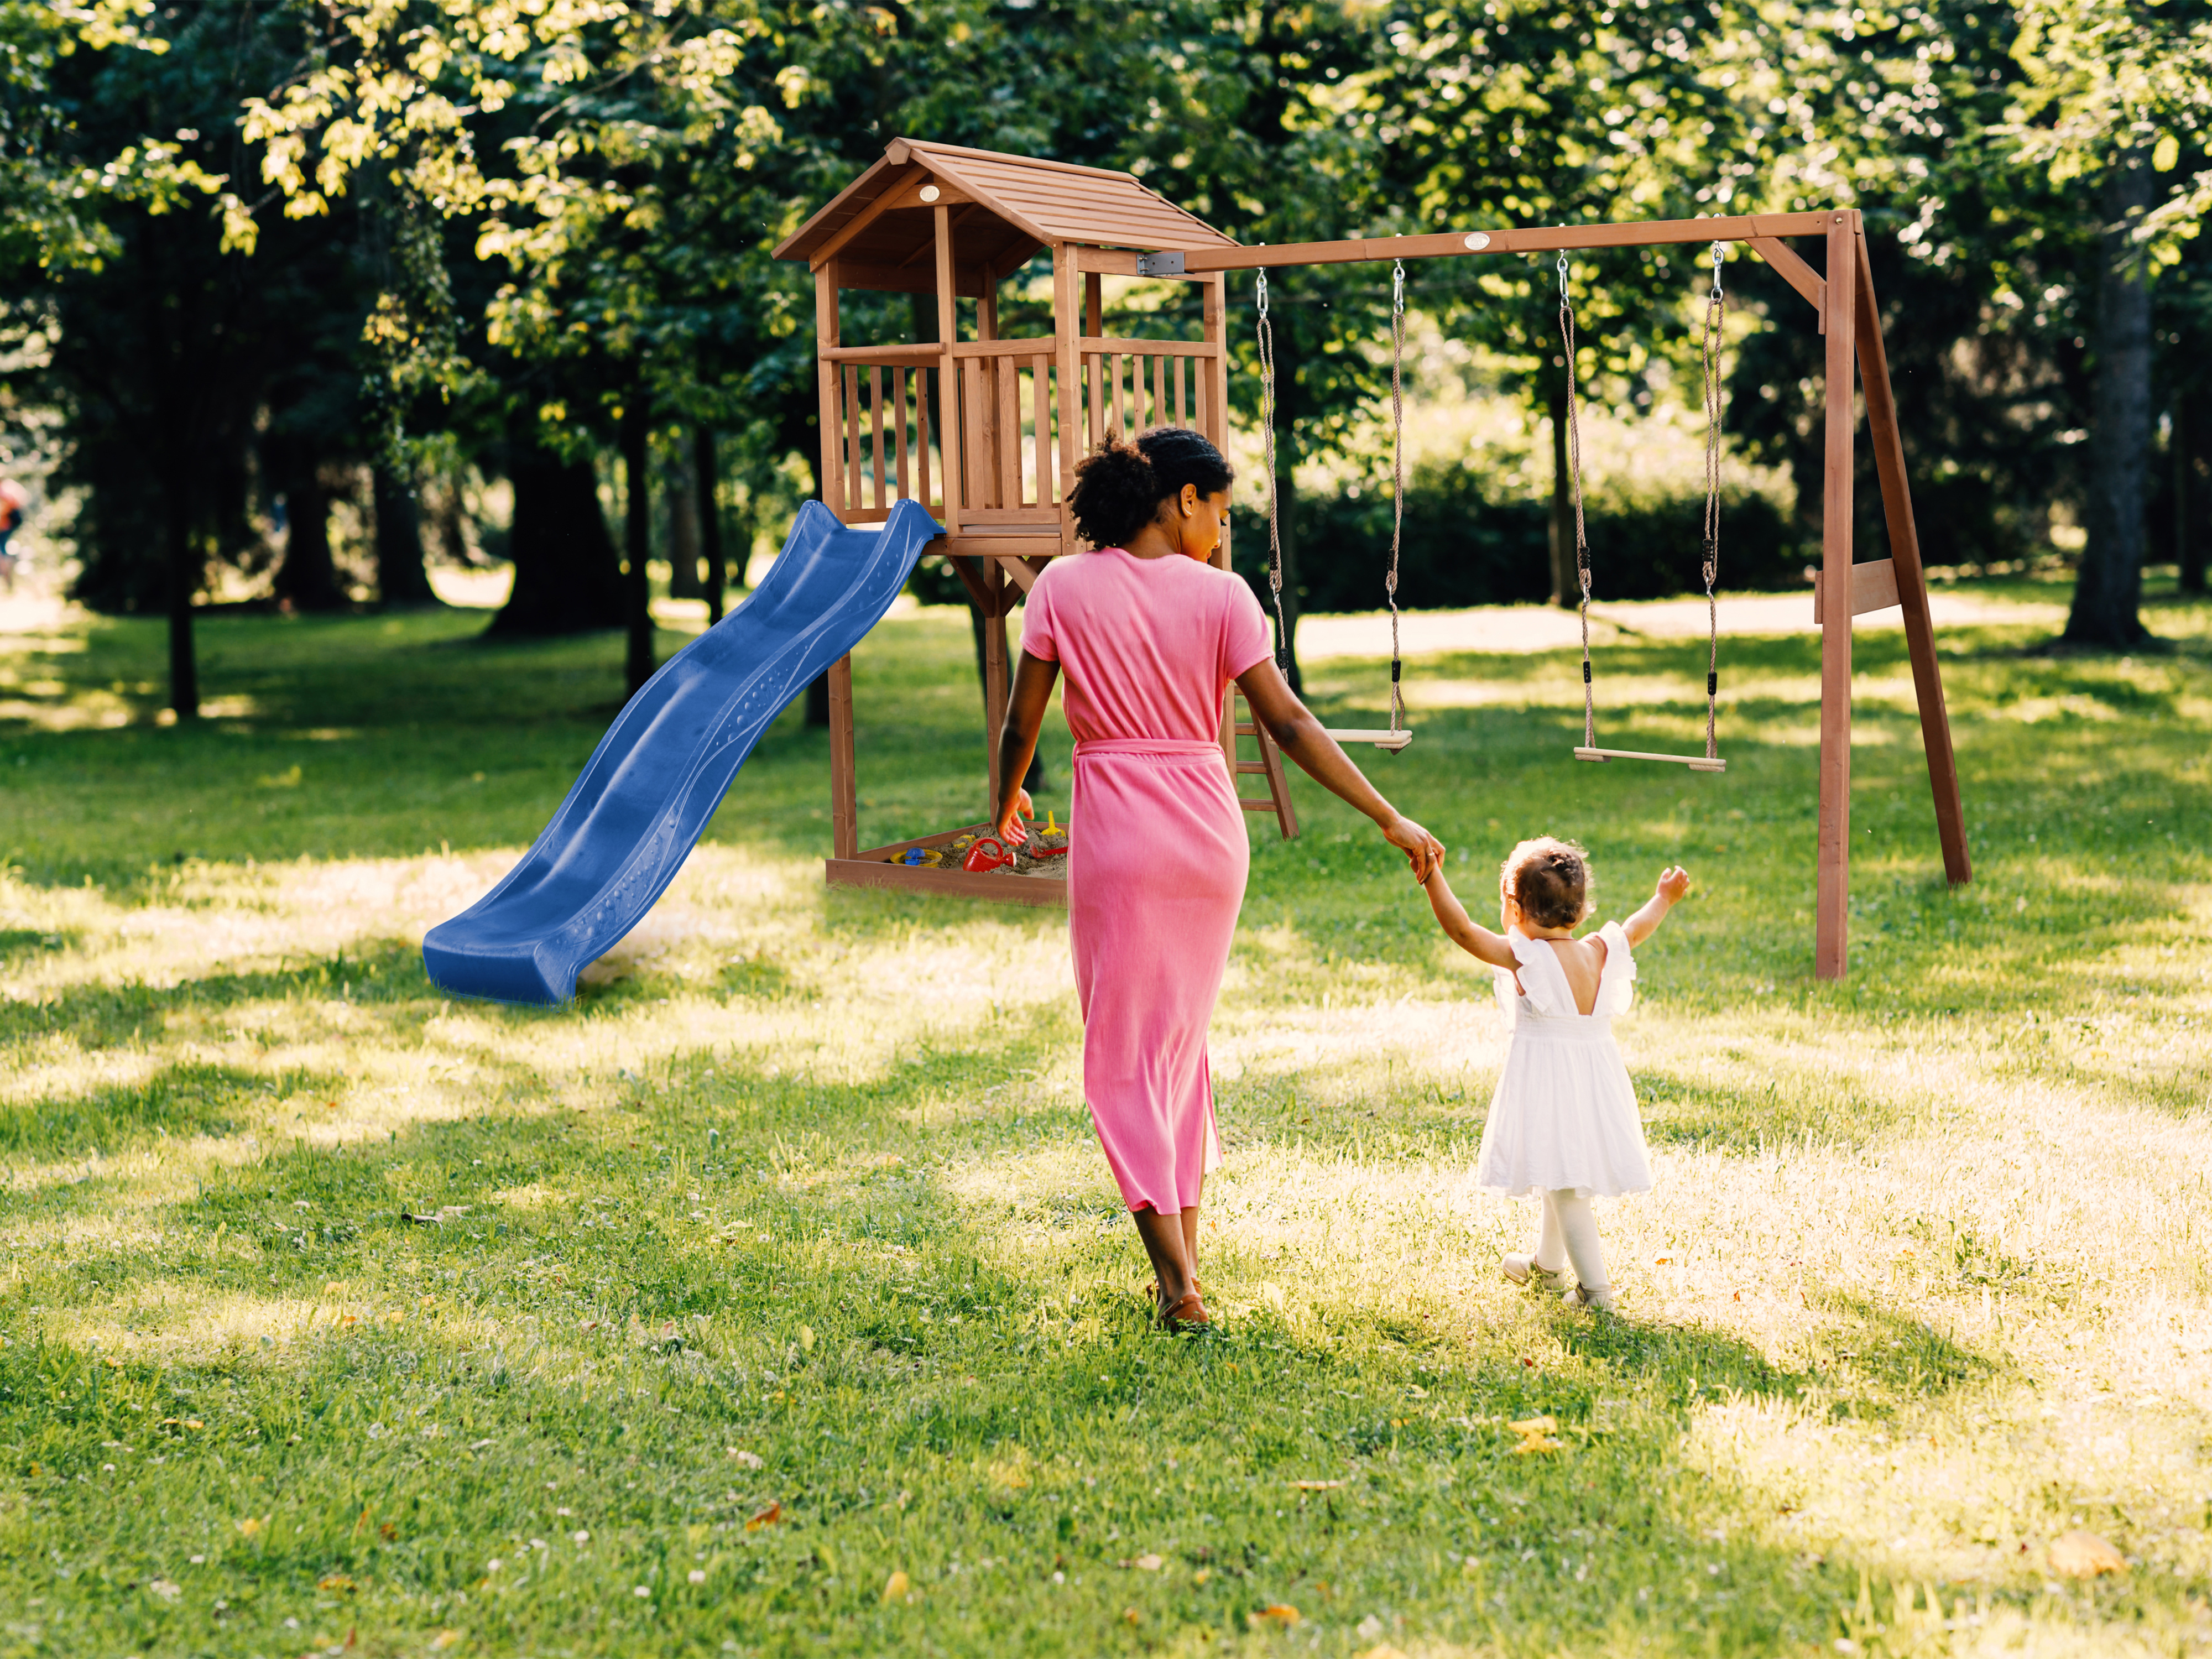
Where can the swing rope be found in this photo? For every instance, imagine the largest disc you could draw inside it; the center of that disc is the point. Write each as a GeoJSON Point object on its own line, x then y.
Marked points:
{"type": "Point", "coordinates": [1710, 353]}
{"type": "Point", "coordinates": [1715, 315]}
{"type": "Point", "coordinates": [1574, 483]}
{"type": "Point", "coordinates": [1397, 477]}
{"type": "Point", "coordinates": [1274, 526]}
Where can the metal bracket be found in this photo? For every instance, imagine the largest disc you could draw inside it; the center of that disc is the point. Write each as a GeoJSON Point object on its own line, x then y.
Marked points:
{"type": "Point", "coordinates": [1160, 264]}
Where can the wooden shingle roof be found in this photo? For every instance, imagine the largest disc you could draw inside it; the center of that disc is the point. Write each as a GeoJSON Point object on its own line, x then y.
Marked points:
{"type": "Point", "coordinates": [1009, 207]}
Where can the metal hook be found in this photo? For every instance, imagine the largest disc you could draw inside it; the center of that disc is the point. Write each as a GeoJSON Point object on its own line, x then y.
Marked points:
{"type": "Point", "coordinates": [1263, 293]}
{"type": "Point", "coordinates": [1716, 267]}
{"type": "Point", "coordinates": [1397, 287]}
{"type": "Point", "coordinates": [1563, 273]}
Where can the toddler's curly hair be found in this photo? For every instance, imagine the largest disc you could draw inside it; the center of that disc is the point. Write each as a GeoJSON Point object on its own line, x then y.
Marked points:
{"type": "Point", "coordinates": [1550, 879]}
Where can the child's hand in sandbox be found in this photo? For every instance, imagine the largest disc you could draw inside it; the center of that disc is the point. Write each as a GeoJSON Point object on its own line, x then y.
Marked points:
{"type": "Point", "coordinates": [1010, 827]}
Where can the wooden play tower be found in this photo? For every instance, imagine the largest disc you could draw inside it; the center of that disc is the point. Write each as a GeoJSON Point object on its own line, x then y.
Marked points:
{"type": "Point", "coordinates": [986, 431]}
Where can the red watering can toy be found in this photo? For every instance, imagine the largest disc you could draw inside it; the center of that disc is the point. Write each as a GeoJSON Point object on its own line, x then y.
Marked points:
{"type": "Point", "coordinates": [986, 855]}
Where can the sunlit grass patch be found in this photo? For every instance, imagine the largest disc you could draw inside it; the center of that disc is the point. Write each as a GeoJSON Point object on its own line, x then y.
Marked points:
{"type": "Point", "coordinates": [782, 1266]}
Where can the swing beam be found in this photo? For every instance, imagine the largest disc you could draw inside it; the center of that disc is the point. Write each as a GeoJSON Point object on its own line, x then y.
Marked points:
{"type": "Point", "coordinates": [1842, 297]}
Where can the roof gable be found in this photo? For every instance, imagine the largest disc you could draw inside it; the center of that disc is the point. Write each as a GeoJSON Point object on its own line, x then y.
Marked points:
{"type": "Point", "coordinates": [1007, 208]}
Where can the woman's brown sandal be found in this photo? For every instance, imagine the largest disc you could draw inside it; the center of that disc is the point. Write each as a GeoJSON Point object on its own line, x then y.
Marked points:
{"type": "Point", "coordinates": [1187, 1314]}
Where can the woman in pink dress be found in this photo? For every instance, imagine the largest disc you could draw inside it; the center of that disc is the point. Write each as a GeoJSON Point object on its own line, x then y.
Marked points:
{"type": "Point", "coordinates": [1150, 634]}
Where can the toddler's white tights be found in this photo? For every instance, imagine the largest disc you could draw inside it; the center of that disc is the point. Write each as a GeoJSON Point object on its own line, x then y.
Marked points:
{"type": "Point", "coordinates": [1569, 1235]}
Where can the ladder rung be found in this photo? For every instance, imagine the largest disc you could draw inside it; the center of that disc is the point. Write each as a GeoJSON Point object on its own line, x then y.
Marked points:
{"type": "Point", "coordinates": [1695, 762]}
{"type": "Point", "coordinates": [1251, 766]}
{"type": "Point", "coordinates": [1244, 731]}
{"type": "Point", "coordinates": [1263, 805]}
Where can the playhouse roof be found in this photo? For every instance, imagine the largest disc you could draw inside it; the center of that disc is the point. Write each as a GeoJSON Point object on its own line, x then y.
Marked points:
{"type": "Point", "coordinates": [1007, 207]}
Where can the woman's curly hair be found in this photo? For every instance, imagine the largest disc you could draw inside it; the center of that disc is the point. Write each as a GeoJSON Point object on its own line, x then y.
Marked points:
{"type": "Point", "coordinates": [1120, 485]}
{"type": "Point", "coordinates": [1549, 880]}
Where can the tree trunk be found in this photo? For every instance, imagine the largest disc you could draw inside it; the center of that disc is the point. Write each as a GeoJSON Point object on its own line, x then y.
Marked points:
{"type": "Point", "coordinates": [307, 580]}
{"type": "Point", "coordinates": [706, 474]}
{"type": "Point", "coordinates": [400, 578]}
{"type": "Point", "coordinates": [184, 573]}
{"type": "Point", "coordinates": [2108, 592]}
{"type": "Point", "coordinates": [637, 541]}
{"type": "Point", "coordinates": [1566, 582]}
{"type": "Point", "coordinates": [1286, 503]}
{"type": "Point", "coordinates": [567, 578]}
{"type": "Point", "coordinates": [683, 496]}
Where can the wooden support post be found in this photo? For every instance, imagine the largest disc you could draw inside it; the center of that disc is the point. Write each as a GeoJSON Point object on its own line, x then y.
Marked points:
{"type": "Point", "coordinates": [1213, 370]}
{"type": "Point", "coordinates": [948, 379]}
{"type": "Point", "coordinates": [844, 793]}
{"type": "Point", "coordinates": [1066, 327]}
{"type": "Point", "coordinates": [1883, 432]}
{"type": "Point", "coordinates": [826, 341]}
{"type": "Point", "coordinates": [1831, 912]}
{"type": "Point", "coordinates": [994, 672]}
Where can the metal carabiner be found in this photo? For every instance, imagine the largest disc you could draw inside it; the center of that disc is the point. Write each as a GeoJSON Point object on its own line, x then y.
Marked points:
{"type": "Point", "coordinates": [1397, 288]}
{"type": "Point", "coordinates": [1716, 267]}
{"type": "Point", "coordinates": [1263, 292]}
{"type": "Point", "coordinates": [1563, 273]}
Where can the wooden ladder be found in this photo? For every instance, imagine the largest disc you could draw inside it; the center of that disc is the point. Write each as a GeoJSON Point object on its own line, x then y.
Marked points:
{"type": "Point", "coordinates": [1236, 722]}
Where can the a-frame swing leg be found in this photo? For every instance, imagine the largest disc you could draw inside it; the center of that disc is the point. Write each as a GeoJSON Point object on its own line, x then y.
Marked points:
{"type": "Point", "coordinates": [1912, 580]}
{"type": "Point", "coordinates": [1831, 903]}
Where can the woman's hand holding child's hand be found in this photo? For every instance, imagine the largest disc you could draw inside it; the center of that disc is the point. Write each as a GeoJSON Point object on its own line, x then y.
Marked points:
{"type": "Point", "coordinates": [1423, 851]}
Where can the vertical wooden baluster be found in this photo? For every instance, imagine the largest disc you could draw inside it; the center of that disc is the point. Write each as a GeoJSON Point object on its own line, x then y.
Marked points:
{"type": "Point", "coordinates": [1159, 391]}
{"type": "Point", "coordinates": [876, 417]}
{"type": "Point", "coordinates": [1121, 416]}
{"type": "Point", "coordinates": [854, 491]}
{"type": "Point", "coordinates": [1094, 374]}
{"type": "Point", "coordinates": [922, 436]}
{"type": "Point", "coordinates": [1041, 396]}
{"type": "Point", "coordinates": [899, 426]}
{"type": "Point", "coordinates": [1178, 363]}
{"type": "Point", "coordinates": [1010, 432]}
{"type": "Point", "coordinates": [975, 417]}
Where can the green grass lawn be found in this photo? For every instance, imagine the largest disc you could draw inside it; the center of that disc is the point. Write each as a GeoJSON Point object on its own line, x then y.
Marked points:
{"type": "Point", "coordinates": [774, 1298]}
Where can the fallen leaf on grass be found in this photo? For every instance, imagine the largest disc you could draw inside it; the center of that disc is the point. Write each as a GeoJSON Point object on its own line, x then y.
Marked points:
{"type": "Point", "coordinates": [1143, 1562]}
{"type": "Point", "coordinates": [897, 1586]}
{"type": "Point", "coordinates": [444, 1639]}
{"type": "Point", "coordinates": [750, 1459]}
{"type": "Point", "coordinates": [766, 1518]}
{"type": "Point", "coordinates": [2084, 1555]}
{"type": "Point", "coordinates": [252, 1525]}
{"type": "Point", "coordinates": [1280, 1613]}
{"type": "Point", "coordinates": [168, 1589]}
{"type": "Point", "coordinates": [336, 1581]}
{"type": "Point", "coordinates": [1316, 1486]}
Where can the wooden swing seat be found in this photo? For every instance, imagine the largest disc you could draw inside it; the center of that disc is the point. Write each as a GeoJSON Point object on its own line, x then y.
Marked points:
{"type": "Point", "coordinates": [1393, 741]}
{"type": "Point", "coordinates": [1695, 762]}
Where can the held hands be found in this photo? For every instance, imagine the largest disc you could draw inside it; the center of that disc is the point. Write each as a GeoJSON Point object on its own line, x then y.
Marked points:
{"type": "Point", "coordinates": [1424, 853]}
{"type": "Point", "coordinates": [1673, 884]}
{"type": "Point", "coordinates": [1017, 807]}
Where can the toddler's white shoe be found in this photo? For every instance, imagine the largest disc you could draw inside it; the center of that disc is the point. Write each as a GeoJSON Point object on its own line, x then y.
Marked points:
{"type": "Point", "coordinates": [1583, 1297]}
{"type": "Point", "coordinates": [1522, 1268]}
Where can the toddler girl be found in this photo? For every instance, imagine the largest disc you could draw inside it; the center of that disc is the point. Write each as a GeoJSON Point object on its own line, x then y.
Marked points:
{"type": "Point", "coordinates": [1563, 1123]}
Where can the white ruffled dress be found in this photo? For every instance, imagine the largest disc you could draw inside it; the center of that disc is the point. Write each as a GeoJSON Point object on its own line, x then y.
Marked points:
{"type": "Point", "coordinates": [1564, 1112]}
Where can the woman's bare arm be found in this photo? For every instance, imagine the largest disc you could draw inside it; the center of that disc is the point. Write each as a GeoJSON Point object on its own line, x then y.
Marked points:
{"type": "Point", "coordinates": [1470, 935]}
{"type": "Point", "coordinates": [1299, 735]}
{"type": "Point", "coordinates": [1034, 679]}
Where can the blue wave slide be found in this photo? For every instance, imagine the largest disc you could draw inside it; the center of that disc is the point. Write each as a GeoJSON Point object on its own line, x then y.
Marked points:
{"type": "Point", "coordinates": [633, 818]}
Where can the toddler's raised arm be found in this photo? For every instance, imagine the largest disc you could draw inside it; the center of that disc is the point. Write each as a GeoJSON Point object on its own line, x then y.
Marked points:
{"type": "Point", "coordinates": [1674, 882]}
{"type": "Point", "coordinates": [1470, 935]}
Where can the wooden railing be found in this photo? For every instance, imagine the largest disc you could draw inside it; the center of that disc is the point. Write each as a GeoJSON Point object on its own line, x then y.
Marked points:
{"type": "Point", "coordinates": [891, 413]}
{"type": "Point", "coordinates": [1129, 385]}
{"type": "Point", "coordinates": [1009, 432]}
{"type": "Point", "coordinates": [885, 398]}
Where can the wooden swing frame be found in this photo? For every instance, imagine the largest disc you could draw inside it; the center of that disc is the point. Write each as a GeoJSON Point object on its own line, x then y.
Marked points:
{"type": "Point", "coordinates": [1006, 514]}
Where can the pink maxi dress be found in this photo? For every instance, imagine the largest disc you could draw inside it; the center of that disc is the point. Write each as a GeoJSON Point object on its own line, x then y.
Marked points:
{"type": "Point", "coordinates": [1158, 858]}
